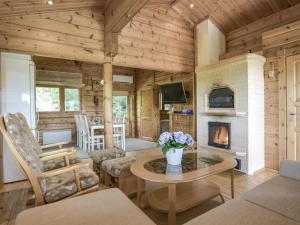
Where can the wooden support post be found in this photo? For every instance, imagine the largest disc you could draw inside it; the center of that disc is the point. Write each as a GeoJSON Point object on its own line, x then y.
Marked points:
{"type": "Point", "coordinates": [1, 145]}
{"type": "Point", "coordinates": [108, 112]}
{"type": "Point", "coordinates": [141, 192]}
{"type": "Point", "coordinates": [172, 204]}
{"type": "Point", "coordinates": [232, 184]}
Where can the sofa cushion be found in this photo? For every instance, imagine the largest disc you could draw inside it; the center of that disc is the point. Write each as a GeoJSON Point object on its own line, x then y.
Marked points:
{"type": "Point", "coordinates": [25, 146]}
{"type": "Point", "coordinates": [241, 212]}
{"type": "Point", "coordinates": [290, 168]}
{"type": "Point", "coordinates": [64, 185]}
{"type": "Point", "coordinates": [106, 154]}
{"type": "Point", "coordinates": [119, 167]}
{"type": "Point", "coordinates": [59, 162]}
{"type": "Point", "coordinates": [280, 194]}
{"type": "Point", "coordinates": [106, 207]}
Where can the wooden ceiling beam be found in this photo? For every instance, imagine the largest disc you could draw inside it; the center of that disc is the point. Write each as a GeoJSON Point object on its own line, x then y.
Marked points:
{"type": "Point", "coordinates": [117, 15]}
{"type": "Point", "coordinates": [179, 11]}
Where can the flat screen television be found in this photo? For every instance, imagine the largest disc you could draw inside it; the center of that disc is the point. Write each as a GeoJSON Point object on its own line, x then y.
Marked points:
{"type": "Point", "coordinates": [173, 93]}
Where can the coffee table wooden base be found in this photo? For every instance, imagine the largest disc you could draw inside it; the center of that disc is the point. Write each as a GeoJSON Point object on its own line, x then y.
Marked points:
{"type": "Point", "coordinates": [184, 190]}
{"type": "Point", "coordinates": [184, 197]}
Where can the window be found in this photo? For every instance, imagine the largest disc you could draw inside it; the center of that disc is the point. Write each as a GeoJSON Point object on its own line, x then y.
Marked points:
{"type": "Point", "coordinates": [57, 99]}
{"type": "Point", "coordinates": [72, 99]}
{"type": "Point", "coordinates": [47, 99]}
{"type": "Point", "coordinates": [120, 106]}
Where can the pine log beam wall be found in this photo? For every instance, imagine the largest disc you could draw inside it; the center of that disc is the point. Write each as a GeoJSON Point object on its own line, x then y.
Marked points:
{"type": "Point", "coordinates": [146, 79]}
{"type": "Point", "coordinates": [117, 16]}
{"type": "Point", "coordinates": [73, 34]}
{"type": "Point", "coordinates": [155, 39]}
{"type": "Point", "coordinates": [249, 38]}
{"type": "Point", "coordinates": [274, 41]}
{"type": "Point", "coordinates": [90, 72]}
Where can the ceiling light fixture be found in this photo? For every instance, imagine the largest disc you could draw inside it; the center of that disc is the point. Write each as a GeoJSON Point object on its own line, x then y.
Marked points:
{"type": "Point", "coordinates": [192, 5]}
{"type": "Point", "coordinates": [50, 2]}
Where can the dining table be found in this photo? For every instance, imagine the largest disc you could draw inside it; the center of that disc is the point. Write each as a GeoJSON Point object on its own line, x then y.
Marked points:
{"type": "Point", "coordinates": [100, 126]}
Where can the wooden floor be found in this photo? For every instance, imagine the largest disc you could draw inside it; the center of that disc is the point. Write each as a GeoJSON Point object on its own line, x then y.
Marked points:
{"type": "Point", "coordinates": [13, 197]}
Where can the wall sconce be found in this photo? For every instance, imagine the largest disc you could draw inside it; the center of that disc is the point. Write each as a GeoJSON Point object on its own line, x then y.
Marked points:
{"type": "Point", "coordinates": [272, 74]}
{"type": "Point", "coordinates": [97, 85]}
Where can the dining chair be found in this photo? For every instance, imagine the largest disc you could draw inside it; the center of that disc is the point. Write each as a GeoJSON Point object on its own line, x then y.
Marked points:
{"type": "Point", "coordinates": [89, 140]}
{"type": "Point", "coordinates": [118, 137]}
{"type": "Point", "coordinates": [52, 185]}
{"type": "Point", "coordinates": [119, 132]}
{"type": "Point", "coordinates": [81, 128]}
{"type": "Point", "coordinates": [76, 118]}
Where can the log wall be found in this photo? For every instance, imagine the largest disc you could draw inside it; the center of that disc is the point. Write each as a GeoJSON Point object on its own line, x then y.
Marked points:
{"type": "Point", "coordinates": [157, 39]}
{"type": "Point", "coordinates": [274, 41]}
{"type": "Point", "coordinates": [90, 72]}
{"type": "Point", "coordinates": [148, 79]}
{"type": "Point", "coordinates": [249, 38]}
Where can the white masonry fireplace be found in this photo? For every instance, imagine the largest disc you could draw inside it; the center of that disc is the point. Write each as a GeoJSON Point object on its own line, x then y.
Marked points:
{"type": "Point", "coordinates": [230, 109]}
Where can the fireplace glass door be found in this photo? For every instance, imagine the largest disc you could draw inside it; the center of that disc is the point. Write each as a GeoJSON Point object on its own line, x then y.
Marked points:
{"type": "Point", "coordinates": [219, 134]}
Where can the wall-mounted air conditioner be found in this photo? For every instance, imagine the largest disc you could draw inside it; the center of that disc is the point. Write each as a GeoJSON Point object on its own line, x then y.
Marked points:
{"type": "Point", "coordinates": [123, 79]}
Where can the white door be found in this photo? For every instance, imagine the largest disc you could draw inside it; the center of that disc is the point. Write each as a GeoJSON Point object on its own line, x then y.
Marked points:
{"type": "Point", "coordinates": [293, 107]}
{"type": "Point", "coordinates": [17, 95]}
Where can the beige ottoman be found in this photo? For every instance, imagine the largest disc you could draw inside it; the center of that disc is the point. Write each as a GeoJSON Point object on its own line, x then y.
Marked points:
{"type": "Point", "coordinates": [107, 207]}
{"type": "Point", "coordinates": [117, 173]}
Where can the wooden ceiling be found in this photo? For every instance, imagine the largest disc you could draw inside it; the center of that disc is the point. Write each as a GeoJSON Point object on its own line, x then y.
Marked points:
{"type": "Point", "coordinates": [19, 7]}
{"type": "Point", "coordinates": [227, 14]}
{"type": "Point", "coordinates": [230, 14]}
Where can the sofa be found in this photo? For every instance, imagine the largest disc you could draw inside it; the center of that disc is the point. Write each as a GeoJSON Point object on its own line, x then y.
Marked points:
{"type": "Point", "coordinates": [276, 202]}
{"type": "Point", "coordinates": [106, 207]}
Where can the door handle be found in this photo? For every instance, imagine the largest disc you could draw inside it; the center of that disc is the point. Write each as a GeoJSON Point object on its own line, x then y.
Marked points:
{"type": "Point", "coordinates": [292, 114]}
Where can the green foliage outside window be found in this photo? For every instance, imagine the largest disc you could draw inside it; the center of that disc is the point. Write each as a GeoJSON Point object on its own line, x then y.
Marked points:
{"type": "Point", "coordinates": [47, 99]}
{"type": "Point", "coordinates": [120, 106]}
{"type": "Point", "coordinates": [72, 99]}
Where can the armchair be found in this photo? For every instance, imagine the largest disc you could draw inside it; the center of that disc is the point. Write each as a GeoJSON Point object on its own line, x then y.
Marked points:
{"type": "Point", "coordinates": [56, 161]}
{"type": "Point", "coordinates": [48, 186]}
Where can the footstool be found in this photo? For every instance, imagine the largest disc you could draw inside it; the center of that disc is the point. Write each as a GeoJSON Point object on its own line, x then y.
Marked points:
{"type": "Point", "coordinates": [117, 173]}
{"type": "Point", "coordinates": [99, 156]}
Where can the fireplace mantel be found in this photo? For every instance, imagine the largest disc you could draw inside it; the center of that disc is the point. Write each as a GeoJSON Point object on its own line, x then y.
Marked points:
{"type": "Point", "coordinates": [223, 113]}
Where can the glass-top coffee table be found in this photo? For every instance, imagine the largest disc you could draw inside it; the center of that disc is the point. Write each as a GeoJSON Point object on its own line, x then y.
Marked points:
{"type": "Point", "coordinates": [185, 186]}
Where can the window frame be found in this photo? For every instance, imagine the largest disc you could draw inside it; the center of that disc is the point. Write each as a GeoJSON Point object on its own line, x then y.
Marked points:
{"type": "Point", "coordinates": [61, 98]}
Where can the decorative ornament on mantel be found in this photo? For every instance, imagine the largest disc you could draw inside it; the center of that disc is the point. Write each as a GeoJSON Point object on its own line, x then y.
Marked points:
{"type": "Point", "coordinates": [173, 144]}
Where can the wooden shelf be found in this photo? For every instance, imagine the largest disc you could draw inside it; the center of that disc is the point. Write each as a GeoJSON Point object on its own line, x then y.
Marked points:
{"type": "Point", "coordinates": [229, 151]}
{"type": "Point", "coordinates": [180, 114]}
{"type": "Point", "coordinates": [198, 192]}
{"type": "Point", "coordinates": [229, 114]}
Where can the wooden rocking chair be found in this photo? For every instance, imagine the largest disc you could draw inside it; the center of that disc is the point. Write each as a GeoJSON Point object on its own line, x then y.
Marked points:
{"type": "Point", "coordinates": [48, 186]}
